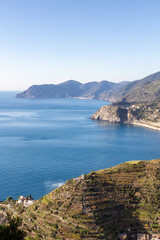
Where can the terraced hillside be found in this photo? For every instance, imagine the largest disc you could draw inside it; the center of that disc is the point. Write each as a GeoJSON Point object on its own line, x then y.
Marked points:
{"type": "Point", "coordinates": [100, 205]}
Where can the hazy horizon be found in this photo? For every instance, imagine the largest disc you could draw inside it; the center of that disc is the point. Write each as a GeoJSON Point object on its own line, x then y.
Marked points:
{"type": "Point", "coordinates": [67, 81]}
{"type": "Point", "coordinates": [49, 42]}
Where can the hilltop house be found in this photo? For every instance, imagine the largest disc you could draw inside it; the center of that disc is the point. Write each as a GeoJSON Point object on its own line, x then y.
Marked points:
{"type": "Point", "coordinates": [25, 201]}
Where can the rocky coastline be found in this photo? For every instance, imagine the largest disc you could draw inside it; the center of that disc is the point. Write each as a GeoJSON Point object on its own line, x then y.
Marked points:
{"type": "Point", "coordinates": [143, 115]}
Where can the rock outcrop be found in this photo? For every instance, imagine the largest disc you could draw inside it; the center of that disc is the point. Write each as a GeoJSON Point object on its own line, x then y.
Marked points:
{"type": "Point", "coordinates": [112, 113]}
{"type": "Point", "coordinates": [137, 114]}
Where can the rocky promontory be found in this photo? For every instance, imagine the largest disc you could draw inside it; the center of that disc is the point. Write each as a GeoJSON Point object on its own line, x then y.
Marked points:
{"type": "Point", "coordinates": [112, 113]}
{"type": "Point", "coordinates": [146, 115]}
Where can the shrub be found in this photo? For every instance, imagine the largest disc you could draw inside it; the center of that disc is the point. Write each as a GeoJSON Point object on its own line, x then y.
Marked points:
{"type": "Point", "coordinates": [9, 199]}
{"type": "Point", "coordinates": [11, 230]}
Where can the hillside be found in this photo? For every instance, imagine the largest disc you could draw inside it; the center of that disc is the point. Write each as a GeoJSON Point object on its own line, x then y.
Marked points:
{"type": "Point", "coordinates": [99, 205]}
{"type": "Point", "coordinates": [144, 90]}
{"type": "Point", "coordinates": [71, 89]}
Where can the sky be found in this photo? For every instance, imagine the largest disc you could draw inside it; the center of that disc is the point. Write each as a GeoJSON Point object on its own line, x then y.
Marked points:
{"type": "Point", "coordinates": [52, 41]}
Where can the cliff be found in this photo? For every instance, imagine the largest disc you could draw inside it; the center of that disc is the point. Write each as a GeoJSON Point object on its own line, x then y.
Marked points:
{"type": "Point", "coordinates": [99, 205]}
{"type": "Point", "coordinates": [112, 113]}
{"type": "Point", "coordinates": [146, 115]}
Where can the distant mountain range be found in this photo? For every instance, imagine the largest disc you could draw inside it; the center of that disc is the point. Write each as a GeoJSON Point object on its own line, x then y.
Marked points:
{"type": "Point", "coordinates": [144, 90]}
{"type": "Point", "coordinates": [72, 89]}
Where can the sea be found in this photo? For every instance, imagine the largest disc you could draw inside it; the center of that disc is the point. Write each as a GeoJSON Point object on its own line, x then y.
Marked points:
{"type": "Point", "coordinates": [44, 142]}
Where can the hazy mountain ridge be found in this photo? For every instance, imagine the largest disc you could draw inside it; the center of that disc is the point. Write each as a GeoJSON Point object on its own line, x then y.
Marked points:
{"type": "Point", "coordinates": [71, 89]}
{"type": "Point", "coordinates": [144, 90]}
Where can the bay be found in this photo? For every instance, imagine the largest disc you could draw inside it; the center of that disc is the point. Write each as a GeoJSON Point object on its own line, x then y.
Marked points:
{"type": "Point", "coordinates": [44, 142]}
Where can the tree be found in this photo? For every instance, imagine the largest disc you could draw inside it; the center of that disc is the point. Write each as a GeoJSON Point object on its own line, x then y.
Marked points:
{"type": "Point", "coordinates": [9, 199]}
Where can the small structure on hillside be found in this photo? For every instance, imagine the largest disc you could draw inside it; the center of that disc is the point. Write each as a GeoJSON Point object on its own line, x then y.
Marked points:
{"type": "Point", "coordinates": [82, 176]}
{"type": "Point", "coordinates": [79, 178]}
{"type": "Point", "coordinates": [21, 199]}
{"type": "Point", "coordinates": [25, 201]}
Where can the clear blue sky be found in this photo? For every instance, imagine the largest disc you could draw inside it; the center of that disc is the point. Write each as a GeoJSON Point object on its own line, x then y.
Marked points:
{"type": "Point", "coordinates": [51, 41]}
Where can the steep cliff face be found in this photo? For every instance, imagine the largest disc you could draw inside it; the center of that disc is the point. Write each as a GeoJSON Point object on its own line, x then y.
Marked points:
{"type": "Point", "coordinates": [138, 114]}
{"type": "Point", "coordinates": [114, 114]}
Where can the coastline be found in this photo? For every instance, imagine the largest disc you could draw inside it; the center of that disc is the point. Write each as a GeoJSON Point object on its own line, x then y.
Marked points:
{"type": "Point", "coordinates": [153, 126]}
{"type": "Point", "coordinates": [139, 115]}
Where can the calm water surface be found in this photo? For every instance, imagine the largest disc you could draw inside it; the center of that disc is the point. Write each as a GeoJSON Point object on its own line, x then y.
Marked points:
{"type": "Point", "coordinates": [45, 142]}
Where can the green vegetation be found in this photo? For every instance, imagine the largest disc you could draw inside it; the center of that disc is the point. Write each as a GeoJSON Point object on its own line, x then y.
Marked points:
{"type": "Point", "coordinates": [11, 231]}
{"type": "Point", "coordinates": [100, 206]}
{"type": "Point", "coordinates": [9, 199]}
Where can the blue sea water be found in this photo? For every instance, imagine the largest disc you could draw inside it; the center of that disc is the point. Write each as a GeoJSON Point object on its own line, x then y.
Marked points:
{"type": "Point", "coordinates": [44, 142]}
